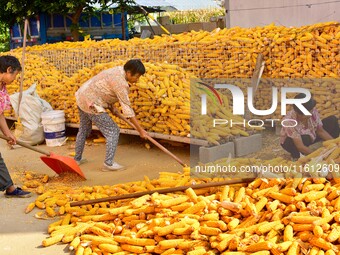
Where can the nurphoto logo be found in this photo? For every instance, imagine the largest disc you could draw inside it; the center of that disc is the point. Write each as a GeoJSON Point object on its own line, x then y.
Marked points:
{"type": "Point", "coordinates": [239, 105]}
{"type": "Point", "coordinates": [238, 100]}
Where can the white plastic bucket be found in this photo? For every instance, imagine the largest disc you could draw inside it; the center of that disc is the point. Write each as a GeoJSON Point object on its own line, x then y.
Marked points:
{"type": "Point", "coordinates": [54, 127]}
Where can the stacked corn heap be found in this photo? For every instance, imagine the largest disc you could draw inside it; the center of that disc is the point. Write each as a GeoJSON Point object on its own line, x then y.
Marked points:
{"type": "Point", "coordinates": [70, 57]}
{"type": "Point", "coordinates": [218, 111]}
{"type": "Point", "coordinates": [231, 53]}
{"type": "Point", "coordinates": [311, 51]}
{"type": "Point", "coordinates": [161, 98]}
{"type": "Point", "coordinates": [329, 154]}
{"type": "Point", "coordinates": [323, 90]}
{"type": "Point", "coordinates": [308, 51]}
{"type": "Point", "coordinates": [336, 99]}
{"type": "Point", "coordinates": [325, 94]}
{"type": "Point", "coordinates": [267, 216]}
{"type": "Point", "coordinates": [45, 75]}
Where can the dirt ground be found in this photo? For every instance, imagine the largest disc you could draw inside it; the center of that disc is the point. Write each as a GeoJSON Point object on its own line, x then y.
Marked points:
{"type": "Point", "coordinates": [22, 233]}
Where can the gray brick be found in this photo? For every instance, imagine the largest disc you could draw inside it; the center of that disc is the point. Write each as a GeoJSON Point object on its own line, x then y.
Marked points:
{"type": "Point", "coordinates": [247, 145]}
{"type": "Point", "coordinates": [210, 154]}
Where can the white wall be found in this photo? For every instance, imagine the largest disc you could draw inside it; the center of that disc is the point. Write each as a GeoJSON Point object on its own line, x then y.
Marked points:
{"type": "Point", "coordinates": [250, 13]}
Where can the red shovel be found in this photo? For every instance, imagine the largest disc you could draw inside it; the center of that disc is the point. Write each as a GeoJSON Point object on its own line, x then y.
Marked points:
{"type": "Point", "coordinates": [57, 163]}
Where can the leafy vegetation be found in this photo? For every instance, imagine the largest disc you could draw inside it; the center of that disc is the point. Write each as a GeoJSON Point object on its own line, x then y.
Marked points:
{"type": "Point", "coordinates": [16, 10]}
{"type": "Point", "coordinates": [220, 3]}
{"type": "Point", "coordinates": [190, 16]}
{"type": "Point", "coordinates": [4, 37]}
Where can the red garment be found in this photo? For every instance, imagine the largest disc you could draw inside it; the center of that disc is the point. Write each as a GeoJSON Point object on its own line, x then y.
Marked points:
{"type": "Point", "coordinates": [5, 102]}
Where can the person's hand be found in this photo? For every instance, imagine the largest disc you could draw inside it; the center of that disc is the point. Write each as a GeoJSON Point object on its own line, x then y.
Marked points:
{"type": "Point", "coordinates": [113, 110]}
{"type": "Point", "coordinates": [12, 140]}
{"type": "Point", "coordinates": [143, 134]}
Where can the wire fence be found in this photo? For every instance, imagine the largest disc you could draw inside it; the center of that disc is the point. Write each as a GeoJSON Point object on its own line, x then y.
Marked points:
{"type": "Point", "coordinates": [203, 60]}
{"type": "Point", "coordinates": [218, 60]}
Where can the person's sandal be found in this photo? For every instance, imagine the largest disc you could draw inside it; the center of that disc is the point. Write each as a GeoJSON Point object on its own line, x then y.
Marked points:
{"type": "Point", "coordinates": [18, 192]}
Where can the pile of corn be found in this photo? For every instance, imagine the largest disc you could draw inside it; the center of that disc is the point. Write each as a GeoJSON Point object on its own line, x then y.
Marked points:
{"type": "Point", "coordinates": [161, 98]}
{"type": "Point", "coordinates": [49, 80]}
{"type": "Point", "coordinates": [305, 52]}
{"type": "Point", "coordinates": [267, 216]}
{"type": "Point", "coordinates": [308, 51]}
{"type": "Point", "coordinates": [218, 107]}
{"type": "Point", "coordinates": [34, 182]}
{"type": "Point", "coordinates": [323, 90]}
{"type": "Point", "coordinates": [40, 183]}
{"type": "Point", "coordinates": [336, 99]}
{"type": "Point", "coordinates": [161, 101]}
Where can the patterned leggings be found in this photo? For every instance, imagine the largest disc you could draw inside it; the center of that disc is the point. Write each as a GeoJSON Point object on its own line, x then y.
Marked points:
{"type": "Point", "coordinates": [106, 126]}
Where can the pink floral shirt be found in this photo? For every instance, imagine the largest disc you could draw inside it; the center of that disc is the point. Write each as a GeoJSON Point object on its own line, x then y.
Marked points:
{"type": "Point", "coordinates": [313, 123]}
{"type": "Point", "coordinates": [5, 103]}
{"type": "Point", "coordinates": [103, 90]}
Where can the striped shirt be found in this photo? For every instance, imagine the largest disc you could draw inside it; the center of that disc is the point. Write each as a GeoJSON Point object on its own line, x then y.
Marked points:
{"type": "Point", "coordinates": [103, 90]}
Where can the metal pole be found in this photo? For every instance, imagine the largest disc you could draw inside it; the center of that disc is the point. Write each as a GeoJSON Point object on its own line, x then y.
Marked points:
{"type": "Point", "coordinates": [22, 64]}
{"type": "Point", "coordinates": [153, 31]}
{"type": "Point", "coordinates": [227, 13]}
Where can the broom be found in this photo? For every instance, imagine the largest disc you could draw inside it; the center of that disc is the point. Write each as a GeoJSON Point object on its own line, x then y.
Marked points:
{"type": "Point", "coordinates": [19, 128]}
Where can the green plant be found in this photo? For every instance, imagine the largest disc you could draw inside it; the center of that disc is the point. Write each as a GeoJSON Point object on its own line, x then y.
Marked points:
{"type": "Point", "coordinates": [183, 17]}
{"type": "Point", "coordinates": [4, 38]}
{"type": "Point", "coordinates": [133, 18]}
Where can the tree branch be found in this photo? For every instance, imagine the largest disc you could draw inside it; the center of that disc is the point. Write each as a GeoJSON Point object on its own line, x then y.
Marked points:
{"type": "Point", "coordinates": [75, 18]}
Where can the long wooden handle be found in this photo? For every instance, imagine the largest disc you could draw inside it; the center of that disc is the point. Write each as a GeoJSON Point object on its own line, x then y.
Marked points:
{"type": "Point", "coordinates": [163, 191]}
{"type": "Point", "coordinates": [22, 65]}
{"type": "Point", "coordinates": [30, 147]}
{"type": "Point", "coordinates": [151, 139]}
{"type": "Point", "coordinates": [166, 150]}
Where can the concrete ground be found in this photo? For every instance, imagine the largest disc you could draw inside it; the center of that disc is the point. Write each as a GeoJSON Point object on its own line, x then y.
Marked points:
{"type": "Point", "coordinates": [22, 233]}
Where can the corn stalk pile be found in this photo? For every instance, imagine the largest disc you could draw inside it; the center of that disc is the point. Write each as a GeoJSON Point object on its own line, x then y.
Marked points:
{"type": "Point", "coordinates": [297, 215]}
